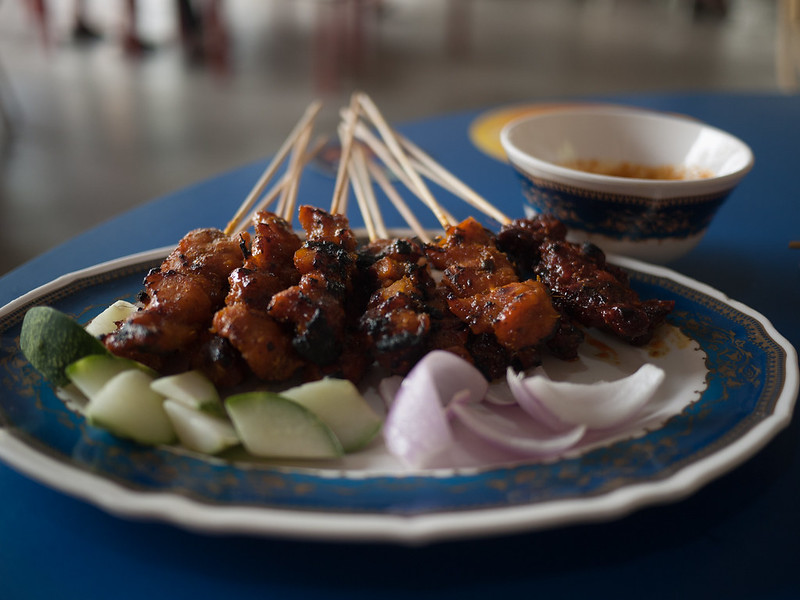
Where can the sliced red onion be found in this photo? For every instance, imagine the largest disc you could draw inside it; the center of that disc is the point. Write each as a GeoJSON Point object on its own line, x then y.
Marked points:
{"type": "Point", "coordinates": [597, 405]}
{"type": "Point", "coordinates": [500, 394]}
{"type": "Point", "coordinates": [530, 403]}
{"type": "Point", "coordinates": [416, 429]}
{"type": "Point", "coordinates": [503, 427]}
{"type": "Point", "coordinates": [452, 375]}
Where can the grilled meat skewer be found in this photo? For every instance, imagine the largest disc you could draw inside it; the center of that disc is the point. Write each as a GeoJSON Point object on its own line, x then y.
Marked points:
{"type": "Point", "coordinates": [171, 331]}
{"type": "Point", "coordinates": [486, 292]}
{"type": "Point", "coordinates": [397, 320]}
{"type": "Point", "coordinates": [585, 287]}
{"type": "Point", "coordinates": [318, 309]}
{"type": "Point", "coordinates": [244, 321]}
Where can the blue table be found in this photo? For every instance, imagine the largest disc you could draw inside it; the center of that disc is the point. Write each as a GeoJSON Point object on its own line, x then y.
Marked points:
{"type": "Point", "coordinates": [738, 537]}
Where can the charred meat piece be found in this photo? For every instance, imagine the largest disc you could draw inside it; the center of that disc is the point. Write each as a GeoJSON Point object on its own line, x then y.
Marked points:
{"type": "Point", "coordinates": [316, 317]}
{"type": "Point", "coordinates": [179, 300]}
{"type": "Point", "coordinates": [261, 341]}
{"type": "Point", "coordinates": [519, 314]}
{"type": "Point", "coordinates": [351, 364]}
{"type": "Point", "coordinates": [585, 288]}
{"type": "Point", "coordinates": [267, 267]}
{"type": "Point", "coordinates": [567, 338]}
{"type": "Point", "coordinates": [396, 321]}
{"type": "Point", "coordinates": [493, 360]}
{"type": "Point", "coordinates": [209, 254]}
{"type": "Point", "coordinates": [521, 238]}
{"type": "Point", "coordinates": [244, 321]}
{"type": "Point", "coordinates": [485, 290]}
{"type": "Point", "coordinates": [220, 361]}
{"type": "Point", "coordinates": [448, 332]}
{"type": "Point", "coordinates": [596, 294]}
{"type": "Point", "coordinates": [273, 247]}
{"type": "Point", "coordinates": [315, 308]}
{"type": "Point", "coordinates": [470, 260]}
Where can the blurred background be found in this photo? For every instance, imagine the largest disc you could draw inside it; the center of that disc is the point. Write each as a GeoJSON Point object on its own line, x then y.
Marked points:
{"type": "Point", "coordinates": [111, 103]}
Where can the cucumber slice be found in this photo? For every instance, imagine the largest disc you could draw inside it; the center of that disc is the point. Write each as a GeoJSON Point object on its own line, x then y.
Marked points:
{"type": "Point", "coordinates": [91, 373]}
{"type": "Point", "coordinates": [272, 426]}
{"type": "Point", "coordinates": [127, 407]}
{"type": "Point", "coordinates": [200, 431]}
{"type": "Point", "coordinates": [51, 340]}
{"type": "Point", "coordinates": [192, 389]}
{"type": "Point", "coordinates": [106, 321]}
{"type": "Point", "coordinates": [340, 405]}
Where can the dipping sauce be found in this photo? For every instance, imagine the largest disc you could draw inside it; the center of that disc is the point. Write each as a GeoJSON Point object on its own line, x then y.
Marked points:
{"type": "Point", "coordinates": [636, 171]}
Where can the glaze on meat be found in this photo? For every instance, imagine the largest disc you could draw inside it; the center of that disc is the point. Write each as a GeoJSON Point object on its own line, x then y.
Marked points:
{"type": "Point", "coordinates": [171, 332]}
{"type": "Point", "coordinates": [485, 291]}
{"type": "Point", "coordinates": [244, 321]}
{"type": "Point", "coordinates": [585, 288]}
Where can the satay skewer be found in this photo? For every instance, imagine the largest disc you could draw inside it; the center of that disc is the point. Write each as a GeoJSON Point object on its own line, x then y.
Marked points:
{"type": "Point", "coordinates": [362, 188]}
{"type": "Point", "coordinates": [438, 173]}
{"type": "Point", "coordinates": [290, 177]}
{"type": "Point", "coordinates": [376, 173]}
{"type": "Point", "coordinates": [410, 158]}
{"type": "Point", "coordinates": [305, 122]}
{"type": "Point", "coordinates": [397, 201]}
{"type": "Point", "coordinates": [388, 135]}
{"type": "Point", "coordinates": [294, 170]}
{"type": "Point", "coordinates": [384, 154]}
{"type": "Point", "coordinates": [637, 329]}
{"type": "Point", "coordinates": [347, 135]}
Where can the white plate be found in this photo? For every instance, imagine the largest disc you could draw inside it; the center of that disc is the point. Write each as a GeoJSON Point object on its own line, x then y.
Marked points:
{"type": "Point", "coordinates": [731, 387]}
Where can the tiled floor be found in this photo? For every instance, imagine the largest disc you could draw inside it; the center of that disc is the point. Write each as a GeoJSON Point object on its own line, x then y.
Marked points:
{"type": "Point", "coordinates": [97, 130]}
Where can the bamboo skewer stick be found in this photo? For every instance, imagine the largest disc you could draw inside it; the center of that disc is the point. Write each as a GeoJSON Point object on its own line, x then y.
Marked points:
{"type": "Point", "coordinates": [398, 202]}
{"type": "Point", "coordinates": [439, 174]}
{"type": "Point", "coordinates": [394, 146]}
{"type": "Point", "coordinates": [293, 172]}
{"type": "Point", "coordinates": [424, 164]}
{"type": "Point", "coordinates": [271, 195]}
{"type": "Point", "coordinates": [305, 121]}
{"type": "Point", "coordinates": [294, 178]}
{"type": "Point", "coordinates": [361, 184]}
{"type": "Point", "coordinates": [339, 202]}
{"type": "Point", "coordinates": [378, 175]}
{"type": "Point", "coordinates": [382, 151]}
{"type": "Point", "coordinates": [363, 134]}
{"type": "Point", "coordinates": [360, 165]}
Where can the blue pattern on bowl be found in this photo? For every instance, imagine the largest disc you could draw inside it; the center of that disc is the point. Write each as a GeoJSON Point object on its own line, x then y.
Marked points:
{"type": "Point", "coordinates": [621, 216]}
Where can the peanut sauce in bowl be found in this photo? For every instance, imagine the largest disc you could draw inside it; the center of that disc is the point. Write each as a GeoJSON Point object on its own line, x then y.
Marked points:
{"type": "Point", "coordinates": [637, 171]}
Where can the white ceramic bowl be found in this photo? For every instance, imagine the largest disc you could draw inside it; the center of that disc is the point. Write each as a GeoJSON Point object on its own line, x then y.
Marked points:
{"type": "Point", "coordinates": [651, 219]}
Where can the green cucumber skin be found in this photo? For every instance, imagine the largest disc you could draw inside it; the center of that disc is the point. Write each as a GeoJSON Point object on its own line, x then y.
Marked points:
{"type": "Point", "coordinates": [250, 413]}
{"type": "Point", "coordinates": [199, 431]}
{"type": "Point", "coordinates": [92, 372]}
{"type": "Point", "coordinates": [339, 404]}
{"type": "Point", "coordinates": [51, 340]}
{"type": "Point", "coordinates": [192, 389]}
{"type": "Point", "coordinates": [128, 408]}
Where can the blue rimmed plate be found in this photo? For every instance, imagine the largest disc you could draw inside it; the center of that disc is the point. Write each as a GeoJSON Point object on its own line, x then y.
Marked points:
{"type": "Point", "coordinates": [734, 381]}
